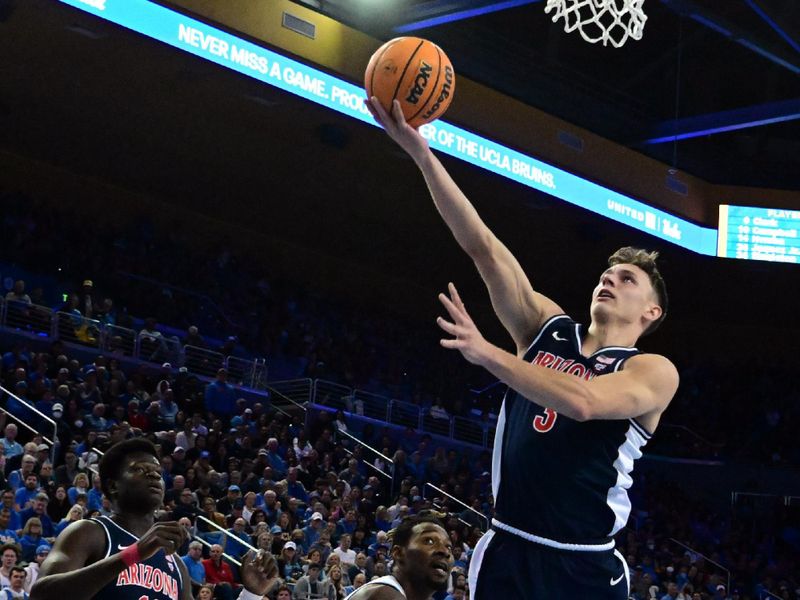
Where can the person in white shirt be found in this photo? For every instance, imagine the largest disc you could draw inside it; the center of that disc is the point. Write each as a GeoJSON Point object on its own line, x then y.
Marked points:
{"type": "Point", "coordinates": [32, 570]}
{"type": "Point", "coordinates": [15, 589]}
{"type": "Point", "coordinates": [347, 557]}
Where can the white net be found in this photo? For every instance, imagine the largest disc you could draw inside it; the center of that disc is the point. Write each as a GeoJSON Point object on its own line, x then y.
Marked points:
{"type": "Point", "coordinates": [607, 21]}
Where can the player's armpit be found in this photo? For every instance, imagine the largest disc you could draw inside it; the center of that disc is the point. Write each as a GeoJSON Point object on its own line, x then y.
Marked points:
{"type": "Point", "coordinates": [74, 548]}
{"type": "Point", "coordinates": [646, 385]}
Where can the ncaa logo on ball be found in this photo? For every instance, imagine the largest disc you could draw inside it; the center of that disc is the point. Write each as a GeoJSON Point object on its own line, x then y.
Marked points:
{"type": "Point", "coordinates": [420, 82]}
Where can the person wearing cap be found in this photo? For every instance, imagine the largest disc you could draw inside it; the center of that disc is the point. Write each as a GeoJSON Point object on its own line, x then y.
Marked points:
{"type": "Point", "coordinates": [32, 570]}
{"type": "Point", "coordinates": [234, 497]}
{"type": "Point", "coordinates": [38, 509]}
{"type": "Point", "coordinates": [289, 565]}
{"type": "Point", "coordinates": [313, 530]}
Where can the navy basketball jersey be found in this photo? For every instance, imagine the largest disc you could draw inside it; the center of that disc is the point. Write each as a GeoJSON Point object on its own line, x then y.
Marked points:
{"type": "Point", "coordinates": [555, 477]}
{"type": "Point", "coordinates": [157, 578]}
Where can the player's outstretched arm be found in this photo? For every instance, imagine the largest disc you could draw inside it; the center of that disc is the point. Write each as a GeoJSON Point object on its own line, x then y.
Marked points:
{"type": "Point", "coordinates": [521, 310]}
{"type": "Point", "coordinates": [75, 567]}
{"type": "Point", "coordinates": [644, 387]}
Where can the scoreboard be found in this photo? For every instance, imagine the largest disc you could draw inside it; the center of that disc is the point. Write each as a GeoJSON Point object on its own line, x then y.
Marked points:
{"type": "Point", "coordinates": [771, 234]}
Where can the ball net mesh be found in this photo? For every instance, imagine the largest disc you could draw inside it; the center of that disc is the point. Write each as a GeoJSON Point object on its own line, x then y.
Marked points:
{"type": "Point", "coordinates": [606, 21]}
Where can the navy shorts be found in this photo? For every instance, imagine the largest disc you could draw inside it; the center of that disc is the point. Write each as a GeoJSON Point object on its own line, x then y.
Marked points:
{"type": "Point", "coordinates": [505, 565]}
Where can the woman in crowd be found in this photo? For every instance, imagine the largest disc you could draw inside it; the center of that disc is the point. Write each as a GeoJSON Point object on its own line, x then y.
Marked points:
{"type": "Point", "coordinates": [59, 505]}
{"type": "Point", "coordinates": [75, 513]}
{"type": "Point", "coordinates": [80, 485]}
{"type": "Point", "coordinates": [31, 538]}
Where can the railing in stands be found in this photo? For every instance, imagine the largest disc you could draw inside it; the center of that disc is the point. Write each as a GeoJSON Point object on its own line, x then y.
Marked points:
{"type": "Point", "coordinates": [376, 452]}
{"type": "Point", "coordinates": [716, 564]}
{"type": "Point", "coordinates": [27, 405]}
{"type": "Point", "coordinates": [483, 517]}
{"type": "Point", "coordinates": [73, 328]}
{"type": "Point", "coordinates": [299, 391]}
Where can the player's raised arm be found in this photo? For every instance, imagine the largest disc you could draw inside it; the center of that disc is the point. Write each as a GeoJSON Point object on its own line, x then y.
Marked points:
{"type": "Point", "coordinates": [521, 310]}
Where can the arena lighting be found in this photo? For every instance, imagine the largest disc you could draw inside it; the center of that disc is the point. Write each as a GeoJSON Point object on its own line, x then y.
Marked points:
{"type": "Point", "coordinates": [213, 44]}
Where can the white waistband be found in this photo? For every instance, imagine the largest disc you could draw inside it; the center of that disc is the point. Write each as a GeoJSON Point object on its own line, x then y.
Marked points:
{"type": "Point", "coordinates": [552, 543]}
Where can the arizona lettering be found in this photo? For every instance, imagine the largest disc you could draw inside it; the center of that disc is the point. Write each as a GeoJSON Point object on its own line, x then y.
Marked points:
{"type": "Point", "coordinates": [151, 578]}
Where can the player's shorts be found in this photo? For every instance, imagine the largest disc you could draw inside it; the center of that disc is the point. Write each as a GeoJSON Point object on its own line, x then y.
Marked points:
{"type": "Point", "coordinates": [505, 565]}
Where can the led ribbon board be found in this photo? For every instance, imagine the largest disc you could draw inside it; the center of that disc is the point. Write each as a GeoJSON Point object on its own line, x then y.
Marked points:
{"type": "Point", "coordinates": [771, 234]}
{"type": "Point", "coordinates": [210, 43]}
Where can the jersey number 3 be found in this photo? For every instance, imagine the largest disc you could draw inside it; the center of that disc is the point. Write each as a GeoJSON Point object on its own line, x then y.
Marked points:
{"type": "Point", "coordinates": [544, 423]}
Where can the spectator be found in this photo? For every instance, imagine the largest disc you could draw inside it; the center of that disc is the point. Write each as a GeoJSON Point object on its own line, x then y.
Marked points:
{"type": "Point", "coordinates": [65, 474]}
{"type": "Point", "coordinates": [10, 444]}
{"type": "Point", "coordinates": [231, 544]}
{"type": "Point", "coordinates": [220, 396]}
{"type": "Point", "coordinates": [80, 485]}
{"type": "Point", "coordinates": [17, 294]}
{"type": "Point", "coordinates": [38, 510]}
{"type": "Point", "coordinates": [310, 585]}
{"type": "Point", "coordinates": [27, 466]}
{"type": "Point", "coordinates": [25, 495]}
{"type": "Point", "coordinates": [336, 583]}
{"type": "Point", "coordinates": [9, 557]}
{"type": "Point", "coordinates": [7, 535]}
{"type": "Point", "coordinates": [360, 566]}
{"type": "Point", "coordinates": [16, 585]}
{"type": "Point", "coordinates": [31, 538]}
{"type": "Point", "coordinates": [32, 570]}
{"type": "Point", "coordinates": [219, 574]}
{"type": "Point", "coordinates": [343, 551]}
{"type": "Point", "coordinates": [95, 495]}
{"type": "Point", "coordinates": [193, 338]}
{"type": "Point", "coordinates": [75, 514]}
{"type": "Point", "coordinates": [194, 563]}
{"type": "Point", "coordinates": [289, 566]}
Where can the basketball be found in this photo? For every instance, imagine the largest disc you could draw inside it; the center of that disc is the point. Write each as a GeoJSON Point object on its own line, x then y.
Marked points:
{"type": "Point", "coordinates": [416, 72]}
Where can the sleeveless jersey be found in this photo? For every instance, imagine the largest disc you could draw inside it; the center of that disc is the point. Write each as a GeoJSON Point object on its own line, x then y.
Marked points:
{"type": "Point", "coordinates": [157, 578]}
{"type": "Point", "coordinates": [385, 580]}
{"type": "Point", "coordinates": [555, 477]}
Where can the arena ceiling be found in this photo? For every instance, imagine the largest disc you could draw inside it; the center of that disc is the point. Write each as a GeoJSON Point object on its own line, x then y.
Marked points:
{"type": "Point", "coordinates": [702, 65]}
{"type": "Point", "coordinates": [108, 104]}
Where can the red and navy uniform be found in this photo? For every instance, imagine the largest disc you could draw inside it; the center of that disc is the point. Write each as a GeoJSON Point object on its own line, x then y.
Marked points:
{"type": "Point", "coordinates": [157, 578]}
{"type": "Point", "coordinates": [560, 486]}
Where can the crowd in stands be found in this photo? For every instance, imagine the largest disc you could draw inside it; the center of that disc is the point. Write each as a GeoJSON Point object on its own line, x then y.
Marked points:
{"type": "Point", "coordinates": [748, 416]}
{"type": "Point", "coordinates": [293, 486]}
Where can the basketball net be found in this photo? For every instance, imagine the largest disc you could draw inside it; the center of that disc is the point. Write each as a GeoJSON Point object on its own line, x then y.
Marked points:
{"type": "Point", "coordinates": [604, 21]}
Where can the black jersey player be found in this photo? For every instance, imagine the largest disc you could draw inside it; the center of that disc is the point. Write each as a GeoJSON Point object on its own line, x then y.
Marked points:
{"type": "Point", "coordinates": [582, 402]}
{"type": "Point", "coordinates": [129, 556]}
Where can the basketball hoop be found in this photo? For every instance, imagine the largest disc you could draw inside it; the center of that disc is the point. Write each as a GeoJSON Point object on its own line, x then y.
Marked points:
{"type": "Point", "coordinates": [604, 21]}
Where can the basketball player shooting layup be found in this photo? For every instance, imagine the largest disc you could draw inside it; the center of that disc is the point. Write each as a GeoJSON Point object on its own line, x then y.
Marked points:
{"type": "Point", "coordinates": [581, 404]}
{"type": "Point", "coordinates": [129, 557]}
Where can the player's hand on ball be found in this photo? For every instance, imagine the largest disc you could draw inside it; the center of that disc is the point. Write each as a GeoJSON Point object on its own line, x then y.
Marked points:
{"type": "Point", "coordinates": [169, 535]}
{"type": "Point", "coordinates": [408, 138]}
{"type": "Point", "coordinates": [259, 572]}
{"type": "Point", "coordinates": [468, 340]}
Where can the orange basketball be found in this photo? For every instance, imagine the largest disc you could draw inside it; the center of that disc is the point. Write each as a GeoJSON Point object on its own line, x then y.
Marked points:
{"type": "Point", "coordinates": [416, 72]}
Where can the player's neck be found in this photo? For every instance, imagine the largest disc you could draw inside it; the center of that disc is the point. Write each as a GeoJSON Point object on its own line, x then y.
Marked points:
{"type": "Point", "coordinates": [604, 335]}
{"type": "Point", "coordinates": [138, 525]}
{"type": "Point", "coordinates": [412, 590]}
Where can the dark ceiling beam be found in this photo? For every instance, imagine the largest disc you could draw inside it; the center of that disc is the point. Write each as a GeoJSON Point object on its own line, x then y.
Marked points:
{"type": "Point", "coordinates": [728, 120]}
{"type": "Point", "coordinates": [734, 33]}
{"type": "Point", "coordinates": [437, 12]}
{"type": "Point", "coordinates": [773, 22]}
